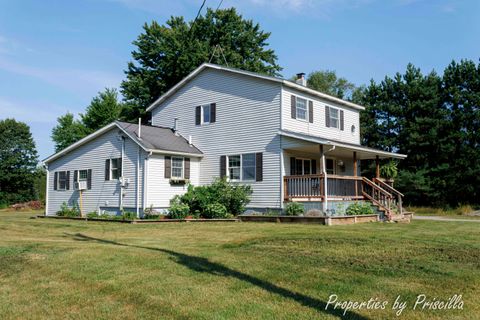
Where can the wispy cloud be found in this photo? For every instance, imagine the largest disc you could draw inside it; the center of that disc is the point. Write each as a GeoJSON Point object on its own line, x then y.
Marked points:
{"type": "Point", "coordinates": [29, 111]}
{"type": "Point", "coordinates": [81, 81]}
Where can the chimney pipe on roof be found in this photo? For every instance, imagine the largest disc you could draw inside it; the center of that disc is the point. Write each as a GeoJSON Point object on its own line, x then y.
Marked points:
{"type": "Point", "coordinates": [139, 128]}
{"type": "Point", "coordinates": [301, 80]}
{"type": "Point", "coordinates": [175, 128]}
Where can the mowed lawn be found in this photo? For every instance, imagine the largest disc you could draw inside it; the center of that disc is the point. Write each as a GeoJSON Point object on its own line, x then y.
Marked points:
{"type": "Point", "coordinates": [58, 269]}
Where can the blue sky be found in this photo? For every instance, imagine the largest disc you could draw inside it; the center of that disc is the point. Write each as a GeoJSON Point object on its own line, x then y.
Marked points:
{"type": "Point", "coordinates": [56, 55]}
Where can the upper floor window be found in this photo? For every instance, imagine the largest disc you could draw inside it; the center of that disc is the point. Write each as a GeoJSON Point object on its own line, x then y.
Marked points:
{"type": "Point", "coordinates": [334, 121]}
{"type": "Point", "coordinates": [177, 167]}
{"type": "Point", "coordinates": [205, 114]}
{"type": "Point", "coordinates": [334, 118]}
{"type": "Point", "coordinates": [301, 108]}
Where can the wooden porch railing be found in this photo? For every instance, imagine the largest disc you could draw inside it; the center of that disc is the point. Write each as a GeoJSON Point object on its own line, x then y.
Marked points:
{"type": "Point", "coordinates": [311, 187]}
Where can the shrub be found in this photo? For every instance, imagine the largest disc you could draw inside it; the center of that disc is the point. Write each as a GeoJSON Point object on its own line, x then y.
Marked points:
{"type": "Point", "coordinates": [215, 211]}
{"type": "Point", "coordinates": [294, 209]}
{"type": "Point", "coordinates": [389, 170]}
{"type": "Point", "coordinates": [151, 214]}
{"type": "Point", "coordinates": [129, 215]}
{"type": "Point", "coordinates": [65, 211]}
{"type": "Point", "coordinates": [359, 208]}
{"type": "Point", "coordinates": [179, 211]}
{"type": "Point", "coordinates": [233, 196]}
{"type": "Point", "coordinates": [92, 214]}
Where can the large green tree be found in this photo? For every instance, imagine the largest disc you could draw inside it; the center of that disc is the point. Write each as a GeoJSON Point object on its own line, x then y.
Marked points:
{"type": "Point", "coordinates": [67, 131]}
{"type": "Point", "coordinates": [328, 82]}
{"type": "Point", "coordinates": [103, 109]}
{"type": "Point", "coordinates": [18, 161]}
{"type": "Point", "coordinates": [165, 54]}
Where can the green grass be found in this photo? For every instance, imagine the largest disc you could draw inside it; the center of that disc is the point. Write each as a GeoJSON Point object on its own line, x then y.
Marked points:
{"type": "Point", "coordinates": [462, 211]}
{"type": "Point", "coordinates": [57, 269]}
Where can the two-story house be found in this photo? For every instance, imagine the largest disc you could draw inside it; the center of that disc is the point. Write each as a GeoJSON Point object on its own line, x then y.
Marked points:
{"type": "Point", "coordinates": [289, 142]}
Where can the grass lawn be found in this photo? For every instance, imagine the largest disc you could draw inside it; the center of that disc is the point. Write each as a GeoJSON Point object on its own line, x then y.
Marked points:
{"type": "Point", "coordinates": [57, 269]}
{"type": "Point", "coordinates": [461, 212]}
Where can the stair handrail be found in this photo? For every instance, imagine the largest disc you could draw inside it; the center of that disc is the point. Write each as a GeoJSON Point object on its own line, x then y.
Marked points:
{"type": "Point", "coordinates": [387, 195]}
{"type": "Point", "coordinates": [393, 190]}
{"type": "Point", "coordinates": [387, 186]}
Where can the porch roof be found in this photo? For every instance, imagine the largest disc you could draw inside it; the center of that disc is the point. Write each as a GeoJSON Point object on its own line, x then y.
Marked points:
{"type": "Point", "coordinates": [362, 151]}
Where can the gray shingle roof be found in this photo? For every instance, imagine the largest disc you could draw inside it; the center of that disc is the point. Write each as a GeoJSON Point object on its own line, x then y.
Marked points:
{"type": "Point", "coordinates": [159, 138]}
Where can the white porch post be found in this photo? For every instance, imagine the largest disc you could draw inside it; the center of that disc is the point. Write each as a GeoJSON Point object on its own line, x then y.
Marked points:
{"type": "Point", "coordinates": [324, 171]}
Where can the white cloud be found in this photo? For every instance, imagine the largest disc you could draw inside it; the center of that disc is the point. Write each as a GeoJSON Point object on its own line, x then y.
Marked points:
{"type": "Point", "coordinates": [81, 81]}
{"type": "Point", "coordinates": [29, 111]}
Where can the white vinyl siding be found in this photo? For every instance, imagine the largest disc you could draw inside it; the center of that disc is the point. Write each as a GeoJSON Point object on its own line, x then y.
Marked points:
{"type": "Point", "coordinates": [104, 193]}
{"type": "Point", "coordinates": [160, 190]}
{"type": "Point", "coordinates": [249, 109]}
{"type": "Point", "coordinates": [318, 127]}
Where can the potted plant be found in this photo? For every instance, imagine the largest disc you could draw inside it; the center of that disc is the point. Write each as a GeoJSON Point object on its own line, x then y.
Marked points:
{"type": "Point", "coordinates": [389, 172]}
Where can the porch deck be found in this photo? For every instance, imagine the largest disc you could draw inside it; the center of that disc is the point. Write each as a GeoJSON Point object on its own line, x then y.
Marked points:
{"type": "Point", "coordinates": [312, 188]}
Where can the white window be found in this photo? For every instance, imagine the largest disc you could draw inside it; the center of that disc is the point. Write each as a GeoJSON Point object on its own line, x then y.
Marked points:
{"type": "Point", "coordinates": [82, 175]}
{"type": "Point", "coordinates": [248, 166]}
{"type": "Point", "coordinates": [115, 168]}
{"type": "Point", "coordinates": [334, 118]}
{"type": "Point", "coordinates": [242, 167]}
{"type": "Point", "coordinates": [303, 166]}
{"type": "Point", "coordinates": [301, 107]}
{"type": "Point", "coordinates": [62, 180]}
{"type": "Point", "coordinates": [206, 113]}
{"type": "Point", "coordinates": [234, 167]}
{"type": "Point", "coordinates": [177, 167]}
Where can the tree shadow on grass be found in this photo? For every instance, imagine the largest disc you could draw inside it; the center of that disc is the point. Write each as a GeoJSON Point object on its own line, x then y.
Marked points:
{"type": "Point", "coordinates": [204, 265]}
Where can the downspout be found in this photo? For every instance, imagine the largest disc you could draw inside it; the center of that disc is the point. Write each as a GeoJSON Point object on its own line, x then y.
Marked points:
{"type": "Point", "coordinates": [46, 191]}
{"type": "Point", "coordinates": [137, 202]}
{"type": "Point", "coordinates": [121, 174]}
{"type": "Point", "coordinates": [145, 181]}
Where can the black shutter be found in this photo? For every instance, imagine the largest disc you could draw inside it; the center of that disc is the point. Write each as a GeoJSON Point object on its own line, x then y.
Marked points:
{"type": "Point", "coordinates": [292, 166]}
{"type": "Point", "coordinates": [198, 115]}
{"type": "Point", "coordinates": [75, 179]}
{"type": "Point", "coordinates": [327, 116]}
{"type": "Point", "coordinates": [213, 112]}
{"type": "Point", "coordinates": [55, 181]}
{"type": "Point", "coordinates": [259, 167]}
{"type": "Point", "coordinates": [223, 166]}
{"type": "Point", "coordinates": [89, 179]}
{"type": "Point", "coordinates": [341, 120]}
{"type": "Point", "coordinates": [187, 168]}
{"type": "Point", "coordinates": [67, 183]}
{"type": "Point", "coordinates": [119, 164]}
{"type": "Point", "coordinates": [314, 166]}
{"type": "Point", "coordinates": [310, 111]}
{"type": "Point", "coordinates": [107, 169]}
{"type": "Point", "coordinates": [293, 107]}
{"type": "Point", "coordinates": [168, 167]}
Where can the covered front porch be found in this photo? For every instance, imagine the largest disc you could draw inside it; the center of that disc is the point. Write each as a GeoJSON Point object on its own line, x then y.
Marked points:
{"type": "Point", "coordinates": [319, 170]}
